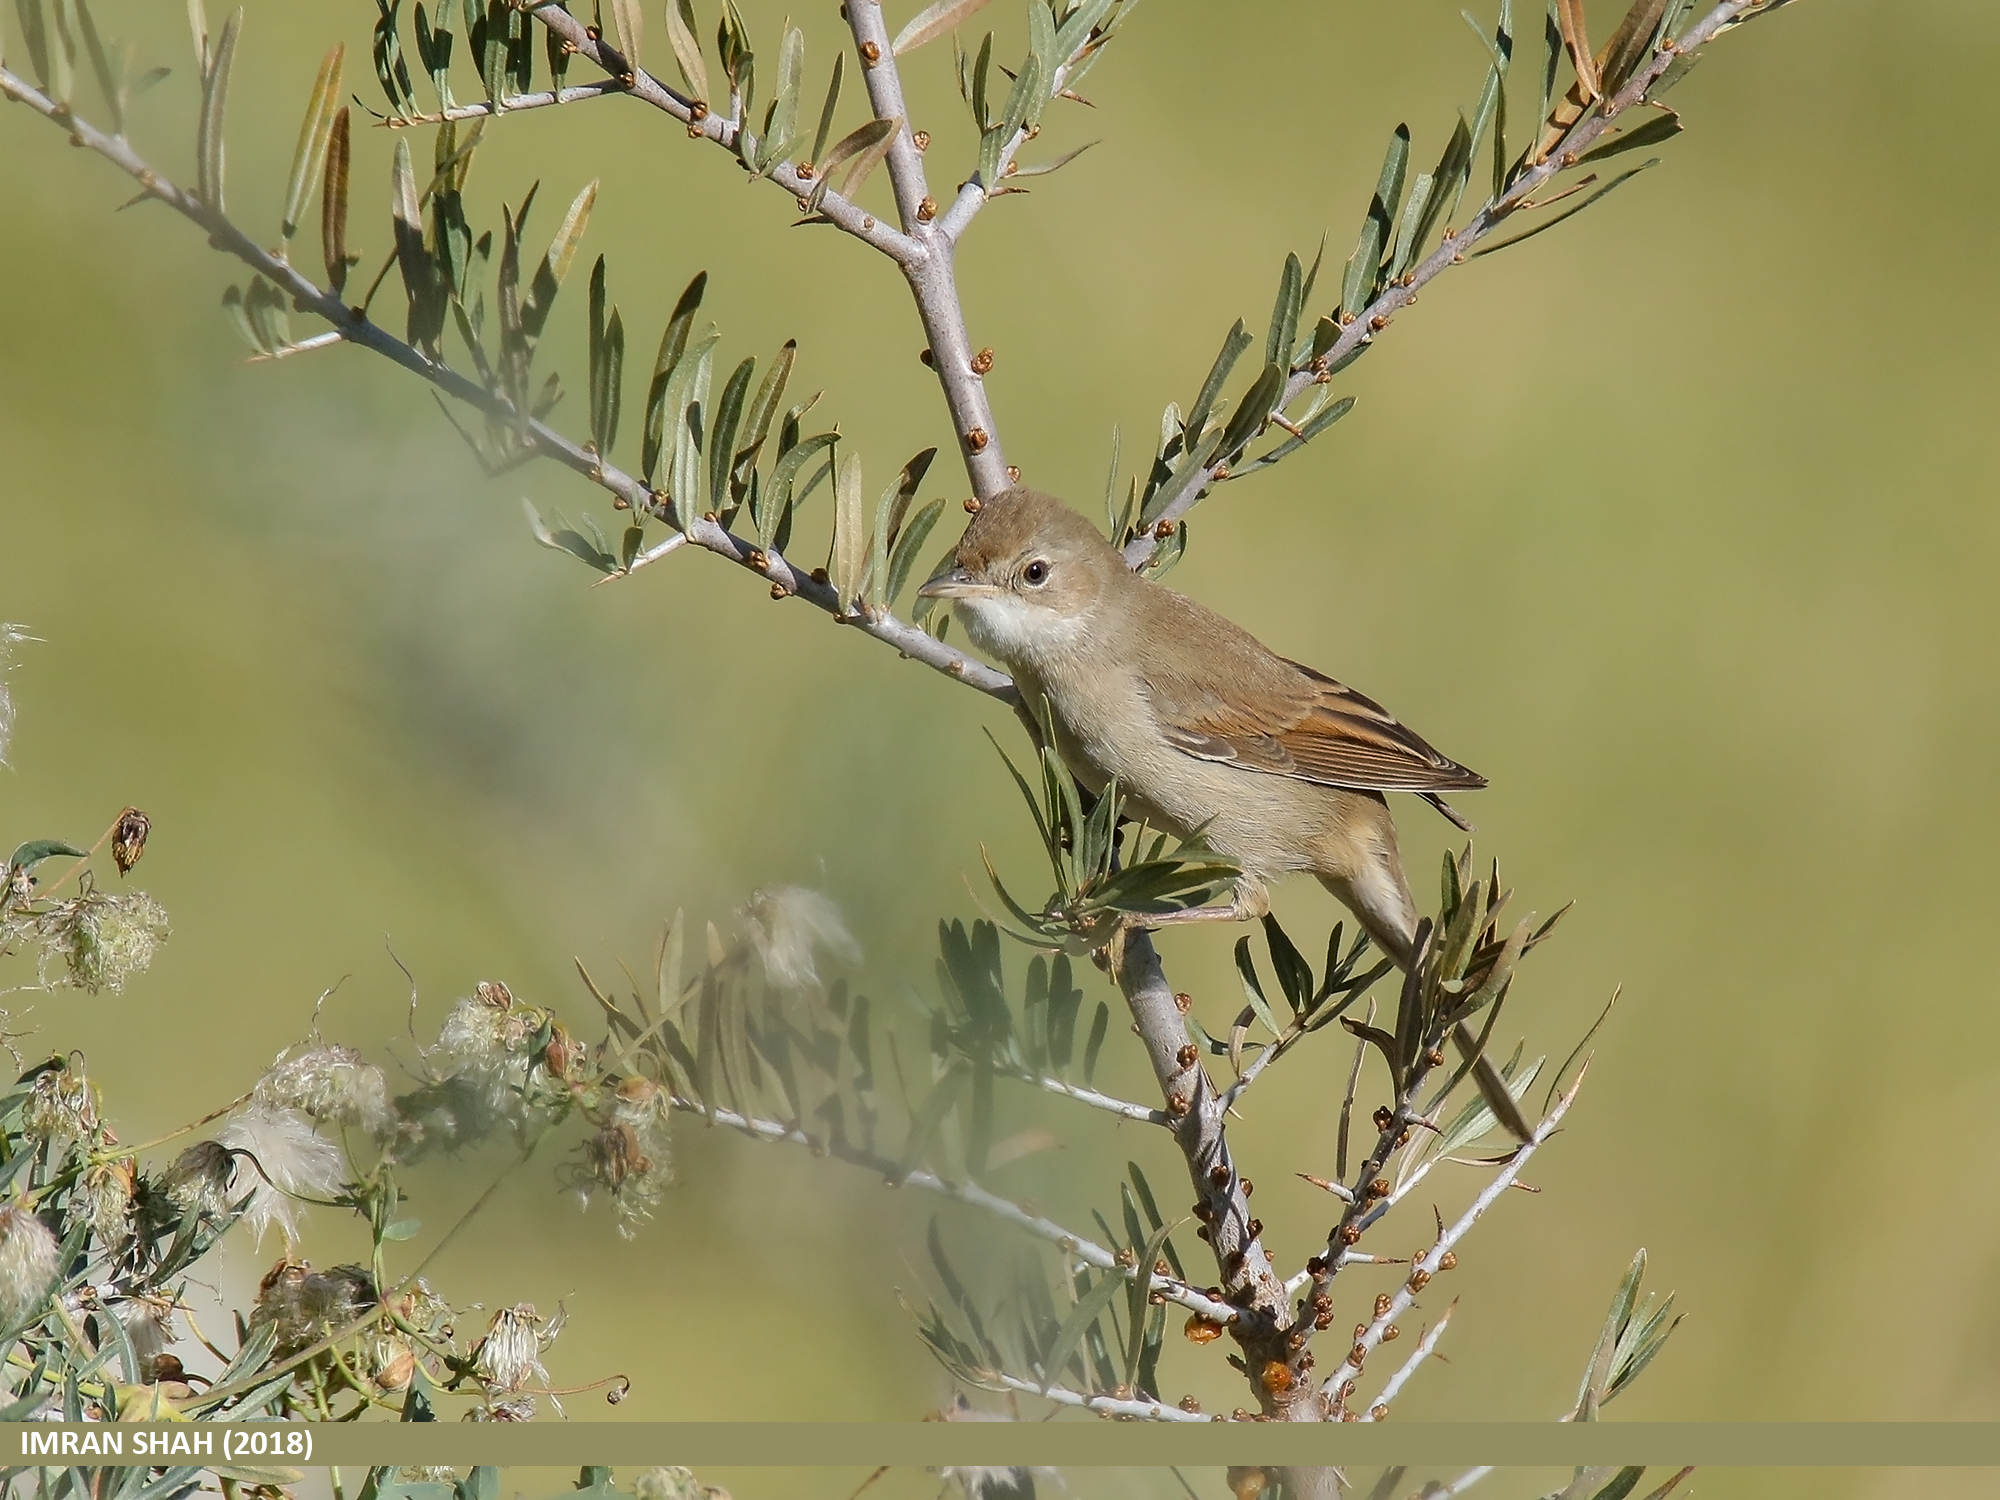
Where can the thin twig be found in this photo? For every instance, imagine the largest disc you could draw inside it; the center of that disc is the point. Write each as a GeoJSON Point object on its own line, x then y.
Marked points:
{"type": "Point", "coordinates": [545, 99]}
{"type": "Point", "coordinates": [1379, 1408]}
{"type": "Point", "coordinates": [1123, 1108]}
{"type": "Point", "coordinates": [1109, 1406]}
{"type": "Point", "coordinates": [975, 1196]}
{"type": "Point", "coordinates": [932, 276]}
{"type": "Point", "coordinates": [1362, 328]}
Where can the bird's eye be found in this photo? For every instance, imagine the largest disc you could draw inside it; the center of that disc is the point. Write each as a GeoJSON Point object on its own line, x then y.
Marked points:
{"type": "Point", "coordinates": [1035, 574]}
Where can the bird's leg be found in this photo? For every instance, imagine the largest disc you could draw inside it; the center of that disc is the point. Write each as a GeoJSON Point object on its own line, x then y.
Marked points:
{"type": "Point", "coordinates": [1249, 903]}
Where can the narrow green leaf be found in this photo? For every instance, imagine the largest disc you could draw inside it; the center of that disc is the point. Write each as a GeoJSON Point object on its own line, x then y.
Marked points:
{"type": "Point", "coordinates": [722, 436]}
{"type": "Point", "coordinates": [631, 19]}
{"type": "Point", "coordinates": [687, 47]}
{"type": "Point", "coordinates": [391, 71]}
{"type": "Point", "coordinates": [35, 33]}
{"type": "Point", "coordinates": [1285, 314]}
{"type": "Point", "coordinates": [1254, 410]}
{"type": "Point", "coordinates": [1088, 1308]}
{"type": "Point", "coordinates": [214, 99]}
{"type": "Point", "coordinates": [1253, 987]}
{"type": "Point", "coordinates": [932, 22]}
{"type": "Point", "coordinates": [310, 153]}
{"type": "Point", "coordinates": [781, 120]}
{"type": "Point", "coordinates": [903, 556]}
{"type": "Point", "coordinates": [673, 344]}
{"type": "Point", "coordinates": [102, 66]}
{"type": "Point", "coordinates": [333, 204]}
{"type": "Point", "coordinates": [826, 110]}
{"type": "Point", "coordinates": [1233, 344]}
{"type": "Point", "coordinates": [1100, 1027]}
{"type": "Point", "coordinates": [930, 1116]}
{"type": "Point", "coordinates": [850, 542]}
{"type": "Point", "coordinates": [859, 152]}
{"type": "Point", "coordinates": [607, 364]}
{"type": "Point", "coordinates": [556, 263]}
{"type": "Point", "coordinates": [1575, 208]}
{"type": "Point", "coordinates": [1648, 132]}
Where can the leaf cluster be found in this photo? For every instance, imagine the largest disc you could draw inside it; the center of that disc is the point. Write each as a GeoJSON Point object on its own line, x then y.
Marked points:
{"type": "Point", "coordinates": [1099, 888]}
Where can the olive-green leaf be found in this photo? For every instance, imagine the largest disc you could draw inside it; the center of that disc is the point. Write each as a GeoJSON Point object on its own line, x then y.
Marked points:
{"type": "Point", "coordinates": [1575, 208]}
{"type": "Point", "coordinates": [850, 540]}
{"type": "Point", "coordinates": [933, 22]}
{"type": "Point", "coordinates": [314, 131]}
{"type": "Point", "coordinates": [1087, 1310]}
{"type": "Point", "coordinates": [903, 556]}
{"type": "Point", "coordinates": [826, 109]}
{"type": "Point", "coordinates": [859, 152]}
{"type": "Point", "coordinates": [1648, 132]}
{"type": "Point", "coordinates": [687, 47]}
{"type": "Point", "coordinates": [1285, 313]}
{"type": "Point", "coordinates": [214, 98]}
{"type": "Point", "coordinates": [631, 19]}
{"type": "Point", "coordinates": [333, 203]}
{"type": "Point", "coordinates": [556, 263]}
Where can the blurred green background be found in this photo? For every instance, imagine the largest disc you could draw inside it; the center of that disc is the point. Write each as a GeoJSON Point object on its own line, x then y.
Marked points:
{"type": "Point", "coordinates": [1677, 523]}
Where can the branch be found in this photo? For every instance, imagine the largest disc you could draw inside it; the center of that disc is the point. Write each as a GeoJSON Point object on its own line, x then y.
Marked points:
{"type": "Point", "coordinates": [1005, 1209]}
{"type": "Point", "coordinates": [1379, 1409]}
{"type": "Point", "coordinates": [973, 194]}
{"type": "Point", "coordinates": [1362, 328]}
{"type": "Point", "coordinates": [1123, 1108]}
{"type": "Point", "coordinates": [355, 328]}
{"type": "Point", "coordinates": [1429, 1263]}
{"type": "Point", "coordinates": [707, 124]}
{"type": "Point", "coordinates": [932, 275]}
{"type": "Point", "coordinates": [1109, 1406]}
{"type": "Point", "coordinates": [543, 100]}
{"type": "Point", "coordinates": [1250, 1284]}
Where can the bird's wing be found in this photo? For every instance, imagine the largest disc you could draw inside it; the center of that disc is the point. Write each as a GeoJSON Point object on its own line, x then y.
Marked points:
{"type": "Point", "coordinates": [1285, 719]}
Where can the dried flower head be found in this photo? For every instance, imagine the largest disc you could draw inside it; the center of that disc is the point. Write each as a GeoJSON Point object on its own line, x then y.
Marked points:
{"type": "Point", "coordinates": [199, 1177]}
{"type": "Point", "coordinates": [149, 1324]}
{"type": "Point", "coordinates": [128, 839]}
{"type": "Point", "coordinates": [102, 940]}
{"type": "Point", "coordinates": [787, 925]}
{"type": "Point", "coordinates": [29, 1257]}
{"type": "Point", "coordinates": [289, 1160]}
{"type": "Point", "coordinates": [493, 1041]}
{"type": "Point", "coordinates": [513, 1409]}
{"type": "Point", "coordinates": [328, 1083]}
{"type": "Point", "coordinates": [105, 1199]}
{"type": "Point", "coordinates": [305, 1305]}
{"type": "Point", "coordinates": [628, 1161]}
{"type": "Point", "coordinates": [61, 1110]}
{"type": "Point", "coordinates": [511, 1351]}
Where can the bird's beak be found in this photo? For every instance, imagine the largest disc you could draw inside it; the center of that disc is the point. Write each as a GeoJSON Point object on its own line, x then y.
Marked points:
{"type": "Point", "coordinates": [956, 583]}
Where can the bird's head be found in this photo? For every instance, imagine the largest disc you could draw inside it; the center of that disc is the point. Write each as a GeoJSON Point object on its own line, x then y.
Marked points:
{"type": "Point", "coordinates": [1028, 577]}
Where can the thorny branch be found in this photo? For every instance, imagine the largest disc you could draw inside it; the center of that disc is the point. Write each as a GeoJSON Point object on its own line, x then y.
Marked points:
{"type": "Point", "coordinates": [355, 328]}
{"type": "Point", "coordinates": [1362, 327]}
{"type": "Point", "coordinates": [1427, 1265]}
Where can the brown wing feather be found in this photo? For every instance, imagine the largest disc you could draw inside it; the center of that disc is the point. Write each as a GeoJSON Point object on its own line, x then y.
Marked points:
{"type": "Point", "coordinates": [1297, 722]}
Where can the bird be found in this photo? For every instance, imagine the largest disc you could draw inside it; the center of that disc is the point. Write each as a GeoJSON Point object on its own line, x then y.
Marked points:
{"type": "Point", "coordinates": [1278, 767]}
